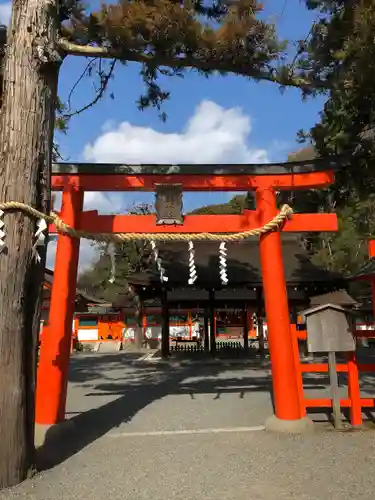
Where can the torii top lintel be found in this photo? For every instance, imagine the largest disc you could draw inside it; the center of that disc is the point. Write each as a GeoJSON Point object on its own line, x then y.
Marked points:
{"type": "Point", "coordinates": [209, 177]}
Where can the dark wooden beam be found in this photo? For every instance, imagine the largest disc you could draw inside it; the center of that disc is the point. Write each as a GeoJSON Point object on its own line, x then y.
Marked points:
{"type": "Point", "coordinates": [246, 330]}
{"type": "Point", "coordinates": [212, 322]}
{"type": "Point", "coordinates": [138, 334]}
{"type": "Point", "coordinates": [262, 350]}
{"type": "Point", "coordinates": [259, 313]}
{"type": "Point", "coordinates": [206, 332]}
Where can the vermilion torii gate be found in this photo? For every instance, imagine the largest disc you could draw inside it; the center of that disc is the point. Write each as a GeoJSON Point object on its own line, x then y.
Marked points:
{"type": "Point", "coordinates": [74, 179]}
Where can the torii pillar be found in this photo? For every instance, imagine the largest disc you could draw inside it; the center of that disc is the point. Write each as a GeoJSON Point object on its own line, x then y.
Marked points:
{"type": "Point", "coordinates": [53, 366]}
{"type": "Point", "coordinates": [289, 415]}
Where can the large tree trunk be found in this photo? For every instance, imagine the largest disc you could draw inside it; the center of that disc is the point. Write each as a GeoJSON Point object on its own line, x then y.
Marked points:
{"type": "Point", "coordinates": [27, 122]}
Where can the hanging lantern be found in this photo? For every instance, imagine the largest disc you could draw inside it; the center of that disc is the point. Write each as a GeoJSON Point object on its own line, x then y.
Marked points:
{"type": "Point", "coordinates": [168, 204]}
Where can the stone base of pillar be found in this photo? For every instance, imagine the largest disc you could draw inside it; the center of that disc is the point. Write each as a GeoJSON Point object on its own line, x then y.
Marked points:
{"type": "Point", "coordinates": [46, 434]}
{"type": "Point", "coordinates": [301, 426]}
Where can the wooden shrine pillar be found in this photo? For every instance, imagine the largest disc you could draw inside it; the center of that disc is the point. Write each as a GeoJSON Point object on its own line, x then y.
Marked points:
{"type": "Point", "coordinates": [164, 324]}
{"type": "Point", "coordinates": [52, 376]}
{"type": "Point", "coordinates": [262, 350]}
{"type": "Point", "coordinates": [144, 326]}
{"type": "Point", "coordinates": [371, 254]}
{"type": "Point", "coordinates": [212, 322]}
{"type": "Point", "coordinates": [373, 295]}
{"type": "Point", "coordinates": [246, 326]}
{"type": "Point", "coordinates": [259, 315]}
{"type": "Point", "coordinates": [280, 342]}
{"type": "Point", "coordinates": [139, 330]}
{"type": "Point", "coordinates": [206, 330]}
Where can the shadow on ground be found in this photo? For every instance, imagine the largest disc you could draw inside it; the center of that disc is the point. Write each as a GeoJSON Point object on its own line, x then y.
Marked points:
{"type": "Point", "coordinates": [137, 385]}
{"type": "Point", "coordinates": [133, 393]}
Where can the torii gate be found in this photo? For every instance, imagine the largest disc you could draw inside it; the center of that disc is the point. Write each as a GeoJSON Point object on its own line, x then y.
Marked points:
{"type": "Point", "coordinates": [74, 179]}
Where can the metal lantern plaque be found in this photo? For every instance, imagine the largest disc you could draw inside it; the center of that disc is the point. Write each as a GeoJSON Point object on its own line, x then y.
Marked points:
{"type": "Point", "coordinates": [168, 204]}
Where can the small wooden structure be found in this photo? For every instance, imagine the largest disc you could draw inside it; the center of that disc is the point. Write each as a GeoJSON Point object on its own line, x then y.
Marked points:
{"type": "Point", "coordinates": [98, 326]}
{"type": "Point", "coordinates": [328, 329]}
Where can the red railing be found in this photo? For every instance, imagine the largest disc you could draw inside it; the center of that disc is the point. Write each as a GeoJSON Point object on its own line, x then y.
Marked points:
{"type": "Point", "coordinates": [354, 401]}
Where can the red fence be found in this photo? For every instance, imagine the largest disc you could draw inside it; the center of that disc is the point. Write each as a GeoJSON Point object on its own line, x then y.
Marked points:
{"type": "Point", "coordinates": [354, 401]}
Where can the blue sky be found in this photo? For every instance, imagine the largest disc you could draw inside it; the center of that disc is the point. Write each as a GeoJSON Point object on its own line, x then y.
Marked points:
{"type": "Point", "coordinates": [249, 121]}
{"type": "Point", "coordinates": [276, 117]}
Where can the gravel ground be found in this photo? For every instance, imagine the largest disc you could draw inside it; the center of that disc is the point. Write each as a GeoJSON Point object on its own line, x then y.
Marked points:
{"type": "Point", "coordinates": [142, 432]}
{"type": "Point", "coordinates": [254, 465]}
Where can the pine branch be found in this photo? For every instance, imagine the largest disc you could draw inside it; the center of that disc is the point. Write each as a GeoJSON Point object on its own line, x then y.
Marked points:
{"type": "Point", "coordinates": [104, 80]}
{"type": "Point", "coordinates": [272, 75]}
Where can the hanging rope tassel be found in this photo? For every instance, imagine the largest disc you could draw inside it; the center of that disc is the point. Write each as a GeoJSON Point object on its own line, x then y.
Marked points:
{"type": "Point", "coordinates": [223, 263]}
{"type": "Point", "coordinates": [2, 231]}
{"type": "Point", "coordinates": [158, 262]}
{"type": "Point", "coordinates": [192, 268]}
{"type": "Point", "coordinates": [39, 239]}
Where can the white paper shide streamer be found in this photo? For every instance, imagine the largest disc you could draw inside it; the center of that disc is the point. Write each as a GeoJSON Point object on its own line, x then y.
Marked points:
{"type": "Point", "coordinates": [112, 255]}
{"type": "Point", "coordinates": [39, 238]}
{"type": "Point", "coordinates": [192, 268]}
{"type": "Point", "coordinates": [158, 263]}
{"type": "Point", "coordinates": [223, 263]}
{"type": "Point", "coordinates": [2, 231]}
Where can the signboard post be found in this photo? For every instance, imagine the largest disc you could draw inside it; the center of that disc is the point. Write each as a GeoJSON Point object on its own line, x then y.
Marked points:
{"type": "Point", "coordinates": [328, 330]}
{"type": "Point", "coordinates": [334, 383]}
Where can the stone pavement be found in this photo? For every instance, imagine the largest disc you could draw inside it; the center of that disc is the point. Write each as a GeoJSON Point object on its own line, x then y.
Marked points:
{"type": "Point", "coordinates": [149, 430]}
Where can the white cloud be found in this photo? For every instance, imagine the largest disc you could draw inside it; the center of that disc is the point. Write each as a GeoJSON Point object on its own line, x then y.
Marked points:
{"type": "Point", "coordinates": [105, 203]}
{"type": "Point", "coordinates": [212, 135]}
{"type": "Point", "coordinates": [5, 12]}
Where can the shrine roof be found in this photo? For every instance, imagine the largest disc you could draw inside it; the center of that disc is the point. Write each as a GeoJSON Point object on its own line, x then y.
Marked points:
{"type": "Point", "coordinates": [315, 165]}
{"type": "Point", "coordinates": [337, 297]}
{"type": "Point", "coordinates": [243, 265]}
{"type": "Point", "coordinates": [366, 271]}
{"type": "Point", "coordinates": [48, 280]}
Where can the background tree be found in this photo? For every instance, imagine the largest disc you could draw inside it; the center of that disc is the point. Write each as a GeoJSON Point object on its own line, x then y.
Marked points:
{"type": "Point", "coordinates": [236, 205]}
{"type": "Point", "coordinates": [339, 54]}
{"type": "Point", "coordinates": [345, 250]}
{"type": "Point", "coordinates": [118, 262]}
{"type": "Point", "coordinates": [165, 38]}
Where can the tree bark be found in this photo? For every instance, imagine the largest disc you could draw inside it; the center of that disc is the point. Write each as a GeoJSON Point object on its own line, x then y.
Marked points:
{"type": "Point", "coordinates": [26, 134]}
